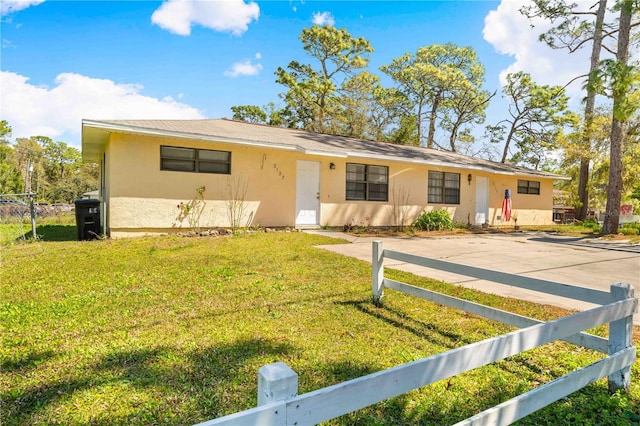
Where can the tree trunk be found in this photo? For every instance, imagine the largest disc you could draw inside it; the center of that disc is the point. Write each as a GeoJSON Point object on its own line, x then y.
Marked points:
{"type": "Point", "coordinates": [507, 143]}
{"type": "Point", "coordinates": [452, 138]}
{"type": "Point", "coordinates": [583, 180]}
{"type": "Point", "coordinates": [585, 161]}
{"type": "Point", "coordinates": [432, 121]}
{"type": "Point", "coordinates": [614, 188]}
{"type": "Point", "coordinates": [618, 126]}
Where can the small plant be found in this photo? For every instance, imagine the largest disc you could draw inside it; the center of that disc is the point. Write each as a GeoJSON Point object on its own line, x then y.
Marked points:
{"type": "Point", "coordinates": [436, 220]}
{"type": "Point", "coordinates": [192, 210]}
{"type": "Point", "coordinates": [237, 205]}
{"type": "Point", "coordinates": [357, 228]}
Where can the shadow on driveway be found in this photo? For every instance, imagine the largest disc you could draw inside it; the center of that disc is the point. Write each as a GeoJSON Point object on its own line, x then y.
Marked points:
{"type": "Point", "coordinates": [591, 243]}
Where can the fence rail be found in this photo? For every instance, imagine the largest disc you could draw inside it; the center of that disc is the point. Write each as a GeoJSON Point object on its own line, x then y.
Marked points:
{"type": "Point", "coordinates": [278, 385]}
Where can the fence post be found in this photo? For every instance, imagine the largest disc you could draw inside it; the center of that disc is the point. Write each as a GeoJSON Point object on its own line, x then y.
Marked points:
{"type": "Point", "coordinates": [33, 216]}
{"type": "Point", "coordinates": [377, 280]}
{"type": "Point", "coordinates": [620, 333]}
{"type": "Point", "coordinates": [276, 382]}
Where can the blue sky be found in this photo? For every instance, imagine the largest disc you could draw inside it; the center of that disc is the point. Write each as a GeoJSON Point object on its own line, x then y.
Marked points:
{"type": "Point", "coordinates": [63, 61]}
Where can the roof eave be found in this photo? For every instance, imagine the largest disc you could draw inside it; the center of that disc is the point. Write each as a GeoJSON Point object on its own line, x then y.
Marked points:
{"type": "Point", "coordinates": [123, 128]}
{"type": "Point", "coordinates": [439, 163]}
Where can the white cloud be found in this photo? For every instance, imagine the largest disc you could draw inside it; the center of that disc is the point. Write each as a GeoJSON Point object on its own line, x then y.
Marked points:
{"type": "Point", "coordinates": [11, 6]}
{"type": "Point", "coordinates": [258, 55]}
{"type": "Point", "coordinates": [178, 16]}
{"type": "Point", "coordinates": [55, 111]}
{"type": "Point", "coordinates": [511, 33]}
{"type": "Point", "coordinates": [244, 68]}
{"type": "Point", "coordinates": [323, 18]}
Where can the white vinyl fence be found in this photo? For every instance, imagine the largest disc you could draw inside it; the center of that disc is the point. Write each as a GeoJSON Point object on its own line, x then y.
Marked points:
{"type": "Point", "coordinates": [279, 404]}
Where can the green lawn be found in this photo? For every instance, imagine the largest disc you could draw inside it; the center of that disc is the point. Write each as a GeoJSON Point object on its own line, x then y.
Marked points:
{"type": "Point", "coordinates": [60, 227]}
{"type": "Point", "coordinates": [172, 330]}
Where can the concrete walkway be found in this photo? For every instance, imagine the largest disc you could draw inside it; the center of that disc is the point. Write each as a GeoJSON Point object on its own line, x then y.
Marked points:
{"type": "Point", "coordinates": [588, 263]}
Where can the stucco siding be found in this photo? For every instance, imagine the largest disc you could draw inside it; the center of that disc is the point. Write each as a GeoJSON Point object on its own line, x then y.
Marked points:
{"type": "Point", "coordinates": [141, 198]}
{"type": "Point", "coordinates": [530, 209]}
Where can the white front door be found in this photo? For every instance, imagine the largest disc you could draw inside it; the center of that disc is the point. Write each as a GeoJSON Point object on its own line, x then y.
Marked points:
{"type": "Point", "coordinates": [482, 200]}
{"type": "Point", "coordinates": [307, 193]}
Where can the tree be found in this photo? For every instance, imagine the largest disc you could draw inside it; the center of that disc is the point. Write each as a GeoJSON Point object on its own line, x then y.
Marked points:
{"type": "Point", "coordinates": [60, 159]}
{"type": "Point", "coordinates": [622, 81]}
{"type": "Point", "coordinates": [574, 152]}
{"type": "Point", "coordinates": [369, 111]}
{"type": "Point", "coordinates": [28, 159]}
{"type": "Point", "coordinates": [269, 114]}
{"type": "Point", "coordinates": [10, 178]}
{"type": "Point", "coordinates": [249, 113]}
{"type": "Point", "coordinates": [467, 105]}
{"type": "Point", "coordinates": [73, 186]}
{"type": "Point", "coordinates": [572, 32]}
{"type": "Point", "coordinates": [311, 97]}
{"type": "Point", "coordinates": [52, 170]}
{"type": "Point", "coordinates": [5, 132]}
{"type": "Point", "coordinates": [536, 115]}
{"type": "Point", "coordinates": [433, 78]}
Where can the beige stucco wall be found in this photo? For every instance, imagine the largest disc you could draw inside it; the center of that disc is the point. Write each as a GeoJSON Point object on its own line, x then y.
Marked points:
{"type": "Point", "coordinates": [530, 209]}
{"type": "Point", "coordinates": [141, 198]}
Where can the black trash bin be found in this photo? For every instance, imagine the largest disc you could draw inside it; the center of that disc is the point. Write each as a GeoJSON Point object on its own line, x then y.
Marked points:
{"type": "Point", "coordinates": [88, 218]}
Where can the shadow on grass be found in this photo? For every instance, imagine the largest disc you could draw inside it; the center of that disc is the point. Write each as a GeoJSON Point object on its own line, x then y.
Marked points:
{"type": "Point", "coordinates": [30, 361]}
{"type": "Point", "coordinates": [47, 233]}
{"type": "Point", "coordinates": [399, 319]}
{"type": "Point", "coordinates": [57, 232]}
{"type": "Point", "coordinates": [205, 378]}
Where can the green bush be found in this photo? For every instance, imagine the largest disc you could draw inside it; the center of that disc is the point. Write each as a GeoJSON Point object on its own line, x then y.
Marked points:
{"type": "Point", "coordinates": [591, 223]}
{"type": "Point", "coordinates": [434, 221]}
{"type": "Point", "coordinates": [460, 225]}
{"type": "Point", "coordinates": [634, 225]}
{"type": "Point", "coordinates": [628, 231]}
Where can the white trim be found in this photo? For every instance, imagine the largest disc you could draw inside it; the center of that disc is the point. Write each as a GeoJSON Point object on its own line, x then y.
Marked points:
{"type": "Point", "coordinates": [192, 136]}
{"type": "Point", "coordinates": [322, 153]}
{"type": "Point", "coordinates": [451, 165]}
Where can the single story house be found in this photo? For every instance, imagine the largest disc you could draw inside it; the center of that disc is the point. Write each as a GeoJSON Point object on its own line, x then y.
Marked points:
{"type": "Point", "coordinates": [160, 176]}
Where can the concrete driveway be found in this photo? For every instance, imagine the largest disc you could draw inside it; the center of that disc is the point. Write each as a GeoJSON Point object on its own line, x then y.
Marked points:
{"type": "Point", "coordinates": [577, 261]}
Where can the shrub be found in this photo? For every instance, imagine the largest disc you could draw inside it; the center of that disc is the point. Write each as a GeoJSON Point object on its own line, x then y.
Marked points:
{"type": "Point", "coordinates": [628, 231]}
{"type": "Point", "coordinates": [433, 221]}
{"type": "Point", "coordinates": [633, 225]}
{"type": "Point", "coordinates": [591, 223]}
{"type": "Point", "coordinates": [460, 225]}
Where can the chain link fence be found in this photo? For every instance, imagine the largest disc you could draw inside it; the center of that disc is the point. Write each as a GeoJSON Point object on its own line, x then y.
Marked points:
{"type": "Point", "coordinates": [19, 215]}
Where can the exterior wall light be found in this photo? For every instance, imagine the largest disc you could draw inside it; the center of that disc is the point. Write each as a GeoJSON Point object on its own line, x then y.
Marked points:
{"type": "Point", "coordinates": [332, 166]}
{"type": "Point", "coordinates": [469, 177]}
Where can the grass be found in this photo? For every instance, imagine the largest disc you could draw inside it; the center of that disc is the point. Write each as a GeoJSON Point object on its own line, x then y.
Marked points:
{"type": "Point", "coordinates": [173, 330]}
{"type": "Point", "coordinates": [60, 227]}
